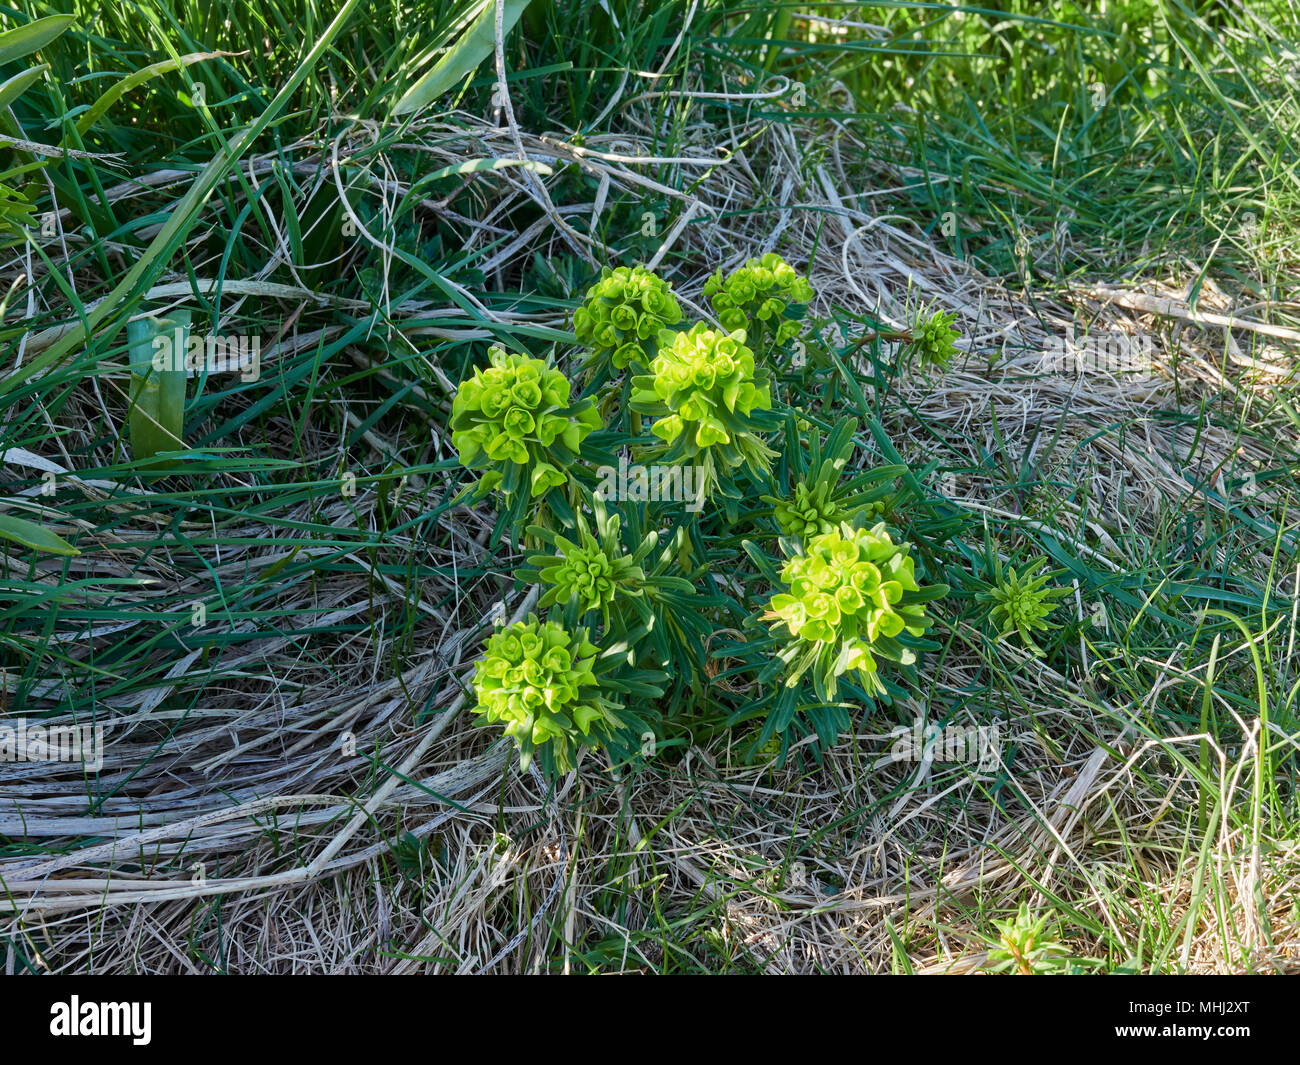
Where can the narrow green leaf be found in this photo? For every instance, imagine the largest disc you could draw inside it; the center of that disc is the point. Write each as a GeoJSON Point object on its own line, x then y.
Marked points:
{"type": "Point", "coordinates": [471, 48]}
{"type": "Point", "coordinates": [16, 43]}
{"type": "Point", "coordinates": [469, 166]}
{"type": "Point", "coordinates": [29, 534]}
{"type": "Point", "coordinates": [17, 85]}
{"type": "Point", "coordinates": [109, 98]}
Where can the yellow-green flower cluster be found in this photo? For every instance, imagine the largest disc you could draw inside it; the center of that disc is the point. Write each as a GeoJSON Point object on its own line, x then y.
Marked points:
{"type": "Point", "coordinates": [760, 290]}
{"type": "Point", "coordinates": [517, 410]}
{"type": "Point", "coordinates": [536, 679]}
{"type": "Point", "coordinates": [933, 339]}
{"type": "Point", "coordinates": [623, 314]}
{"type": "Point", "coordinates": [707, 382]}
{"type": "Point", "coordinates": [809, 511]}
{"type": "Point", "coordinates": [847, 600]}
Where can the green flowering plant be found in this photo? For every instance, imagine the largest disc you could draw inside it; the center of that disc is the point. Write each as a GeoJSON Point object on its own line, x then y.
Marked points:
{"type": "Point", "coordinates": [515, 419]}
{"type": "Point", "coordinates": [810, 510]}
{"type": "Point", "coordinates": [704, 392]}
{"type": "Point", "coordinates": [759, 297]}
{"type": "Point", "coordinates": [852, 593]}
{"type": "Point", "coordinates": [932, 338]}
{"type": "Point", "coordinates": [1025, 947]}
{"type": "Point", "coordinates": [622, 316]}
{"type": "Point", "coordinates": [818, 503]}
{"type": "Point", "coordinates": [646, 624]}
{"type": "Point", "coordinates": [1021, 604]}
{"type": "Point", "coordinates": [623, 572]}
{"type": "Point", "coordinates": [592, 572]}
{"type": "Point", "coordinates": [537, 680]}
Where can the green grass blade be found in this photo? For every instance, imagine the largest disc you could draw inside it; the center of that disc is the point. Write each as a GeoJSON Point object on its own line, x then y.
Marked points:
{"type": "Point", "coordinates": [29, 534]}
{"type": "Point", "coordinates": [474, 45]}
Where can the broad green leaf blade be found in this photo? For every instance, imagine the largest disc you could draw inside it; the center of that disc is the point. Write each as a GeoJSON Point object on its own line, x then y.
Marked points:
{"type": "Point", "coordinates": [15, 86]}
{"type": "Point", "coordinates": [157, 351]}
{"type": "Point", "coordinates": [470, 49]}
{"type": "Point", "coordinates": [16, 43]}
{"type": "Point", "coordinates": [29, 534]}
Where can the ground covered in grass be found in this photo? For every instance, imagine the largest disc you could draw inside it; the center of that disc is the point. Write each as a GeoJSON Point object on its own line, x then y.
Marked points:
{"type": "Point", "coordinates": [278, 633]}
